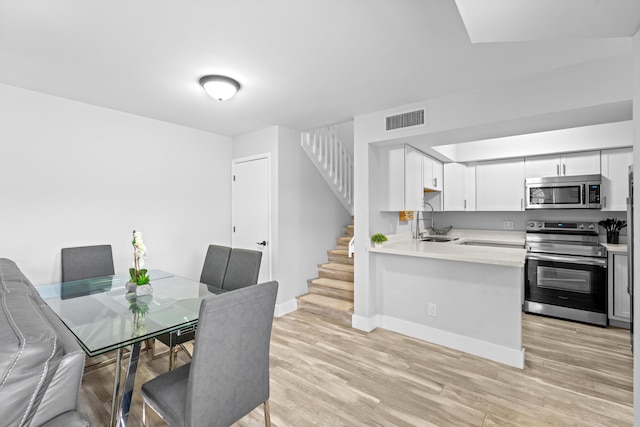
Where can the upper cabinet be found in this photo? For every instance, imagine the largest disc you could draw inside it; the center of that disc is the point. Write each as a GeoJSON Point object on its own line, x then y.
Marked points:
{"type": "Point", "coordinates": [568, 164]}
{"type": "Point", "coordinates": [615, 178]}
{"type": "Point", "coordinates": [459, 191]}
{"type": "Point", "coordinates": [403, 180]}
{"type": "Point", "coordinates": [433, 174]}
{"type": "Point", "coordinates": [413, 191]}
{"type": "Point", "coordinates": [500, 185]}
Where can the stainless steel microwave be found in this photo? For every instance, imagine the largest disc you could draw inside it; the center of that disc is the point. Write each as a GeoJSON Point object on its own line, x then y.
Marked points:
{"type": "Point", "coordinates": [564, 192]}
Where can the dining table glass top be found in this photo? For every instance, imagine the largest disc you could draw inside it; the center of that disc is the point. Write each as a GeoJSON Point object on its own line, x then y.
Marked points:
{"type": "Point", "coordinates": [104, 316]}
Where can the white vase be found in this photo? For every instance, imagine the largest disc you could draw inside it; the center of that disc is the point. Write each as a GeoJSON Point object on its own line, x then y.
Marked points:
{"type": "Point", "coordinates": [144, 289]}
{"type": "Point", "coordinates": [130, 286]}
{"type": "Point", "coordinates": [377, 245]}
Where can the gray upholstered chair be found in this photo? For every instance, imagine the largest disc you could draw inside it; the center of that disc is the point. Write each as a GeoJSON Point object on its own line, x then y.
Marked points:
{"type": "Point", "coordinates": [213, 271]}
{"type": "Point", "coordinates": [229, 374]}
{"type": "Point", "coordinates": [242, 270]}
{"type": "Point", "coordinates": [86, 262]}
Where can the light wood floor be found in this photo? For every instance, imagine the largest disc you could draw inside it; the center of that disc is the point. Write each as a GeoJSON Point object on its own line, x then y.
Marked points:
{"type": "Point", "coordinates": [325, 374]}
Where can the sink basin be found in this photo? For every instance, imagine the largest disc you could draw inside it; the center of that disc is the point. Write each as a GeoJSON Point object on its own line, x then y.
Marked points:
{"type": "Point", "coordinates": [439, 239]}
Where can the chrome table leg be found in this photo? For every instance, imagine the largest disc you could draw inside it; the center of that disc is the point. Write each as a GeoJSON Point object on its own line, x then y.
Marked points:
{"type": "Point", "coordinates": [127, 391]}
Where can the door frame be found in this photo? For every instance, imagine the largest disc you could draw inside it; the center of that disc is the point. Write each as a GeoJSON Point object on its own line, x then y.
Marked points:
{"type": "Point", "coordinates": [269, 245]}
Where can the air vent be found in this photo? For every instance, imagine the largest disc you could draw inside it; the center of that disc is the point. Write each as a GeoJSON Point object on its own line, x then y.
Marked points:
{"type": "Point", "coordinates": [405, 120]}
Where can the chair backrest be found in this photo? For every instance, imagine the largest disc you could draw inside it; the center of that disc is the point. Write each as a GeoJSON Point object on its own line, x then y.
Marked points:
{"type": "Point", "coordinates": [215, 265]}
{"type": "Point", "coordinates": [242, 270]}
{"type": "Point", "coordinates": [86, 262]}
{"type": "Point", "coordinates": [229, 374]}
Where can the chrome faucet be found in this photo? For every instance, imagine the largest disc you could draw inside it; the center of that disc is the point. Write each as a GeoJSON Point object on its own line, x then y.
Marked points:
{"type": "Point", "coordinates": [418, 234]}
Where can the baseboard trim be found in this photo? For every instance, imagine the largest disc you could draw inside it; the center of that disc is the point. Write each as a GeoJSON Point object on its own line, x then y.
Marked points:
{"type": "Point", "coordinates": [497, 353]}
{"type": "Point", "coordinates": [286, 308]}
{"type": "Point", "coordinates": [366, 324]}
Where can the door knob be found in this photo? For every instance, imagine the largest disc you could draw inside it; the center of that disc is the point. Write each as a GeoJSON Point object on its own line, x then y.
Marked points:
{"type": "Point", "coordinates": [263, 243]}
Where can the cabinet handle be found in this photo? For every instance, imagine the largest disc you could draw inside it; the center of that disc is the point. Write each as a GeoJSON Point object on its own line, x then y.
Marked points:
{"type": "Point", "coordinates": [564, 169]}
{"type": "Point", "coordinates": [465, 204]}
{"type": "Point", "coordinates": [557, 169]}
{"type": "Point", "coordinates": [604, 200]}
{"type": "Point", "coordinates": [435, 182]}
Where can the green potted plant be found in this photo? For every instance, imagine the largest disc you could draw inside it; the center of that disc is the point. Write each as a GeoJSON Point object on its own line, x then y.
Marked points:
{"type": "Point", "coordinates": [139, 281]}
{"type": "Point", "coordinates": [378, 239]}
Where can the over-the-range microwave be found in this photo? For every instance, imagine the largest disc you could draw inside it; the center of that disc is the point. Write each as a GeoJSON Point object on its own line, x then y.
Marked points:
{"type": "Point", "coordinates": [564, 192]}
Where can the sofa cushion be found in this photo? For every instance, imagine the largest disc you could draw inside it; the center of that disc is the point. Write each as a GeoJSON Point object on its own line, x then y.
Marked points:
{"type": "Point", "coordinates": [29, 356]}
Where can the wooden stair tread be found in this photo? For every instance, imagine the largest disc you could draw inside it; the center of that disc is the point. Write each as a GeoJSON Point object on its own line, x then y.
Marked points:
{"type": "Point", "coordinates": [346, 239]}
{"type": "Point", "coordinates": [340, 267]}
{"type": "Point", "coordinates": [328, 302]}
{"type": "Point", "coordinates": [333, 283]}
{"type": "Point", "coordinates": [343, 252]}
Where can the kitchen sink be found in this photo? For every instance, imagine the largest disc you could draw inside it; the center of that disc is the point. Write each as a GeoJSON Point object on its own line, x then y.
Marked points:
{"type": "Point", "coordinates": [439, 239]}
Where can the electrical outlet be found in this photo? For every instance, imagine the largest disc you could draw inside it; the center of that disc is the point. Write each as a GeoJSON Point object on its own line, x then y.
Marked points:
{"type": "Point", "coordinates": [432, 310]}
{"type": "Point", "coordinates": [508, 225]}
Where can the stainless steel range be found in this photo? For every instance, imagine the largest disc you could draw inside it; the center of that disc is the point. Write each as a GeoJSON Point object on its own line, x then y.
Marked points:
{"type": "Point", "coordinates": [566, 271]}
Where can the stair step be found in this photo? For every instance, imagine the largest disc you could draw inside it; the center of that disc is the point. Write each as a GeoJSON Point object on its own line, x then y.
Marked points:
{"type": "Point", "coordinates": [343, 242]}
{"type": "Point", "coordinates": [327, 302]}
{"type": "Point", "coordinates": [331, 288]}
{"type": "Point", "coordinates": [340, 256]}
{"type": "Point", "coordinates": [332, 308]}
{"type": "Point", "coordinates": [336, 271]}
{"type": "Point", "coordinates": [348, 231]}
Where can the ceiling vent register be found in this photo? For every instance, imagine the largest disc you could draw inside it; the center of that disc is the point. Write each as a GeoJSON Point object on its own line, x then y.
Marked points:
{"type": "Point", "coordinates": [405, 120]}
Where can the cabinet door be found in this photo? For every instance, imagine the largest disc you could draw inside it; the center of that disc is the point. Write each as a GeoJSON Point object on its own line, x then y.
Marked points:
{"type": "Point", "coordinates": [432, 171]}
{"type": "Point", "coordinates": [583, 163]}
{"type": "Point", "coordinates": [413, 189]}
{"type": "Point", "coordinates": [615, 174]}
{"type": "Point", "coordinates": [455, 187]}
{"type": "Point", "coordinates": [391, 178]}
{"type": "Point", "coordinates": [542, 166]}
{"type": "Point", "coordinates": [500, 185]}
{"type": "Point", "coordinates": [621, 298]}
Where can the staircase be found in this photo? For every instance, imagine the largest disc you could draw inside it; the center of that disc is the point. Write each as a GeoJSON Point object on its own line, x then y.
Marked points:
{"type": "Point", "coordinates": [331, 293]}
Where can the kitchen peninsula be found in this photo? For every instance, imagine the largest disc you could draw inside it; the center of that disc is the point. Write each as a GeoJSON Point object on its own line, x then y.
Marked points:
{"type": "Point", "coordinates": [465, 294]}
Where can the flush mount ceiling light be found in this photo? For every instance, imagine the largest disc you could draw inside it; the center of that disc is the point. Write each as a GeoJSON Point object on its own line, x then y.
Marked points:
{"type": "Point", "coordinates": [219, 87]}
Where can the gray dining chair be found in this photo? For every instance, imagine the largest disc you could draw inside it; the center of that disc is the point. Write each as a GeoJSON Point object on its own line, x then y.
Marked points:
{"type": "Point", "coordinates": [86, 262]}
{"type": "Point", "coordinates": [213, 271]}
{"type": "Point", "coordinates": [229, 374]}
{"type": "Point", "coordinates": [242, 270]}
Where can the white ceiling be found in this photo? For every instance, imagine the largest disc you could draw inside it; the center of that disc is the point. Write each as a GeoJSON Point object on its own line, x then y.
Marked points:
{"type": "Point", "coordinates": [302, 64]}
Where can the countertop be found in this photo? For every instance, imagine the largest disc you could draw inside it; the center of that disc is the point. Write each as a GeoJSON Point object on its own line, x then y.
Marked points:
{"type": "Point", "coordinates": [405, 244]}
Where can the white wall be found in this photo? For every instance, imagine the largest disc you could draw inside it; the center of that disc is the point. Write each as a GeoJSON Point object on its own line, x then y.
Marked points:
{"type": "Point", "coordinates": [73, 174]}
{"type": "Point", "coordinates": [306, 215]}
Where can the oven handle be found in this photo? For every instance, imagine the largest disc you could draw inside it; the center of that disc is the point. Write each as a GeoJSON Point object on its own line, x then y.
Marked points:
{"type": "Point", "coordinates": [601, 262]}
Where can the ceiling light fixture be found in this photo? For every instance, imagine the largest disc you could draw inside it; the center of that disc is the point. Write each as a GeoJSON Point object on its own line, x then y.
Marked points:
{"type": "Point", "coordinates": [219, 87]}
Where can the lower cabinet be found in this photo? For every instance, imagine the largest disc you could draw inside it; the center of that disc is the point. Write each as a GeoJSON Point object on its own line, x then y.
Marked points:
{"type": "Point", "coordinates": [619, 299]}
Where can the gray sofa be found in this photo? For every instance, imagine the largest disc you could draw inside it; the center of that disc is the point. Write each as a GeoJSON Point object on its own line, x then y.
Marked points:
{"type": "Point", "coordinates": [41, 363]}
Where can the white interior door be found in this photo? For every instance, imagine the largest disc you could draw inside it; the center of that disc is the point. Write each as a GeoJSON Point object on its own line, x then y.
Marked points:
{"type": "Point", "coordinates": [251, 208]}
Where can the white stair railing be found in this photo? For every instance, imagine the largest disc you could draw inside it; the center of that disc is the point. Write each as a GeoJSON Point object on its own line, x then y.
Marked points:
{"type": "Point", "coordinates": [333, 160]}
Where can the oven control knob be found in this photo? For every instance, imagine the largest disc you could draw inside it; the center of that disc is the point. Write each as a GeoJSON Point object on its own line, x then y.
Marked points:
{"type": "Point", "coordinates": [581, 226]}
{"type": "Point", "coordinates": [539, 225]}
{"type": "Point", "coordinates": [591, 226]}
{"type": "Point", "coordinates": [531, 224]}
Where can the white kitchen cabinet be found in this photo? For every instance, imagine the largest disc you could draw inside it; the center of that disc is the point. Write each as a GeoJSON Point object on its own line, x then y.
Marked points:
{"type": "Point", "coordinates": [619, 299]}
{"type": "Point", "coordinates": [459, 190]}
{"type": "Point", "coordinates": [413, 190]}
{"type": "Point", "coordinates": [567, 164]}
{"type": "Point", "coordinates": [500, 185]}
{"type": "Point", "coordinates": [433, 173]}
{"type": "Point", "coordinates": [399, 175]}
{"type": "Point", "coordinates": [615, 171]}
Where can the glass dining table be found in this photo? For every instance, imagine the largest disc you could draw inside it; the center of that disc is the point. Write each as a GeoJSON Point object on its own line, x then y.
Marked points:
{"type": "Point", "coordinates": [104, 317]}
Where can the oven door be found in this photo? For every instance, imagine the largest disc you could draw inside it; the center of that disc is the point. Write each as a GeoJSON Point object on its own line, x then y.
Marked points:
{"type": "Point", "coordinates": [575, 282]}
